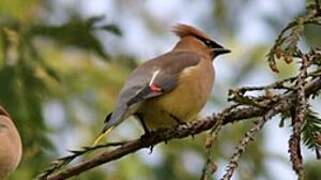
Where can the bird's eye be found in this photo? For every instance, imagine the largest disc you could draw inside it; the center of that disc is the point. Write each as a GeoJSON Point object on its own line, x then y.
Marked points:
{"type": "Point", "coordinates": [208, 43]}
{"type": "Point", "coordinates": [211, 44]}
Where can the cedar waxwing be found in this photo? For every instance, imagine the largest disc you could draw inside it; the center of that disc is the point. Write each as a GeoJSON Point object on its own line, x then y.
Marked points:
{"type": "Point", "coordinates": [10, 145]}
{"type": "Point", "coordinates": [170, 89]}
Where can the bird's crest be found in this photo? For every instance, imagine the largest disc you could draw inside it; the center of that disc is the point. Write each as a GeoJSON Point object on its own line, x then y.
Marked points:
{"type": "Point", "coordinates": [183, 30]}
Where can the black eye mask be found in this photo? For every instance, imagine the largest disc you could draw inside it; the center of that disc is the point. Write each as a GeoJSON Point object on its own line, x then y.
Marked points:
{"type": "Point", "coordinates": [209, 43]}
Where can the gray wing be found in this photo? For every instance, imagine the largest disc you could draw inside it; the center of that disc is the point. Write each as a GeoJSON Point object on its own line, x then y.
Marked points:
{"type": "Point", "coordinates": [137, 87]}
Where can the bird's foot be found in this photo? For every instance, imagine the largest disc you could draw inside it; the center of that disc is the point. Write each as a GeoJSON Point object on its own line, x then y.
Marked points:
{"type": "Point", "coordinates": [178, 121]}
{"type": "Point", "coordinates": [147, 135]}
{"type": "Point", "coordinates": [151, 148]}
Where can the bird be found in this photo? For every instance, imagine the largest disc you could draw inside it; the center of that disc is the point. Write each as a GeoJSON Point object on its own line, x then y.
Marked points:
{"type": "Point", "coordinates": [172, 88]}
{"type": "Point", "coordinates": [10, 145]}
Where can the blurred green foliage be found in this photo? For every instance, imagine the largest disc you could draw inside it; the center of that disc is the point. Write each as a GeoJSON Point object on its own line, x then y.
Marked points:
{"type": "Point", "coordinates": [44, 64]}
{"type": "Point", "coordinates": [30, 75]}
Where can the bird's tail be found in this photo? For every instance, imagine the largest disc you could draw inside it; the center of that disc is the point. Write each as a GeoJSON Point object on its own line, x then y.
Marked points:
{"type": "Point", "coordinates": [106, 130]}
{"type": "Point", "coordinates": [103, 134]}
{"type": "Point", "coordinates": [111, 121]}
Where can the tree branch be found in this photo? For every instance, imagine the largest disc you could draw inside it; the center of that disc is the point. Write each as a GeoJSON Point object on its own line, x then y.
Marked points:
{"type": "Point", "coordinates": [285, 102]}
{"type": "Point", "coordinates": [298, 121]}
{"type": "Point", "coordinates": [248, 137]}
{"type": "Point", "coordinates": [209, 165]}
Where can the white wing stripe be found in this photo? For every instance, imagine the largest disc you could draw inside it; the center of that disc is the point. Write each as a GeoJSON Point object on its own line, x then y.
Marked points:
{"type": "Point", "coordinates": [153, 77]}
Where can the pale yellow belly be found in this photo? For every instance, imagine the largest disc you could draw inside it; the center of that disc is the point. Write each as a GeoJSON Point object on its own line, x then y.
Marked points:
{"type": "Point", "coordinates": [184, 102]}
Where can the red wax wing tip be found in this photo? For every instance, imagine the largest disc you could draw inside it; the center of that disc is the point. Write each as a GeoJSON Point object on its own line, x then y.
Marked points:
{"type": "Point", "coordinates": [155, 88]}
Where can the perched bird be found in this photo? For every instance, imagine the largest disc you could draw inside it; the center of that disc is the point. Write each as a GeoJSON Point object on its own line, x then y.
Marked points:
{"type": "Point", "coordinates": [10, 145]}
{"type": "Point", "coordinates": [170, 89]}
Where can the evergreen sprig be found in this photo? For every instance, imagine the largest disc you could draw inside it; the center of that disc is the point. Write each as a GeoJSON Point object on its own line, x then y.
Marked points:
{"type": "Point", "coordinates": [311, 131]}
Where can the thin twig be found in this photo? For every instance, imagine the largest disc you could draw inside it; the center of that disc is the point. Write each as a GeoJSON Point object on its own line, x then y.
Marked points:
{"type": "Point", "coordinates": [209, 165]}
{"type": "Point", "coordinates": [250, 136]}
{"type": "Point", "coordinates": [296, 29]}
{"type": "Point", "coordinates": [63, 161]}
{"type": "Point", "coordinates": [278, 84]}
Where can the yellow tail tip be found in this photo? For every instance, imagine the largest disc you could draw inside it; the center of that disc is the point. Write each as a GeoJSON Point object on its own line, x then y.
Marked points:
{"type": "Point", "coordinates": [102, 135]}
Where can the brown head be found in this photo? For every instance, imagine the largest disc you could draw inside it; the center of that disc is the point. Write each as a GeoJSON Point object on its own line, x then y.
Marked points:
{"type": "Point", "coordinates": [193, 39]}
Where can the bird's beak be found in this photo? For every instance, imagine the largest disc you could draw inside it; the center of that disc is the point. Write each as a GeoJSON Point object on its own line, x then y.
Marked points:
{"type": "Point", "coordinates": [220, 51]}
